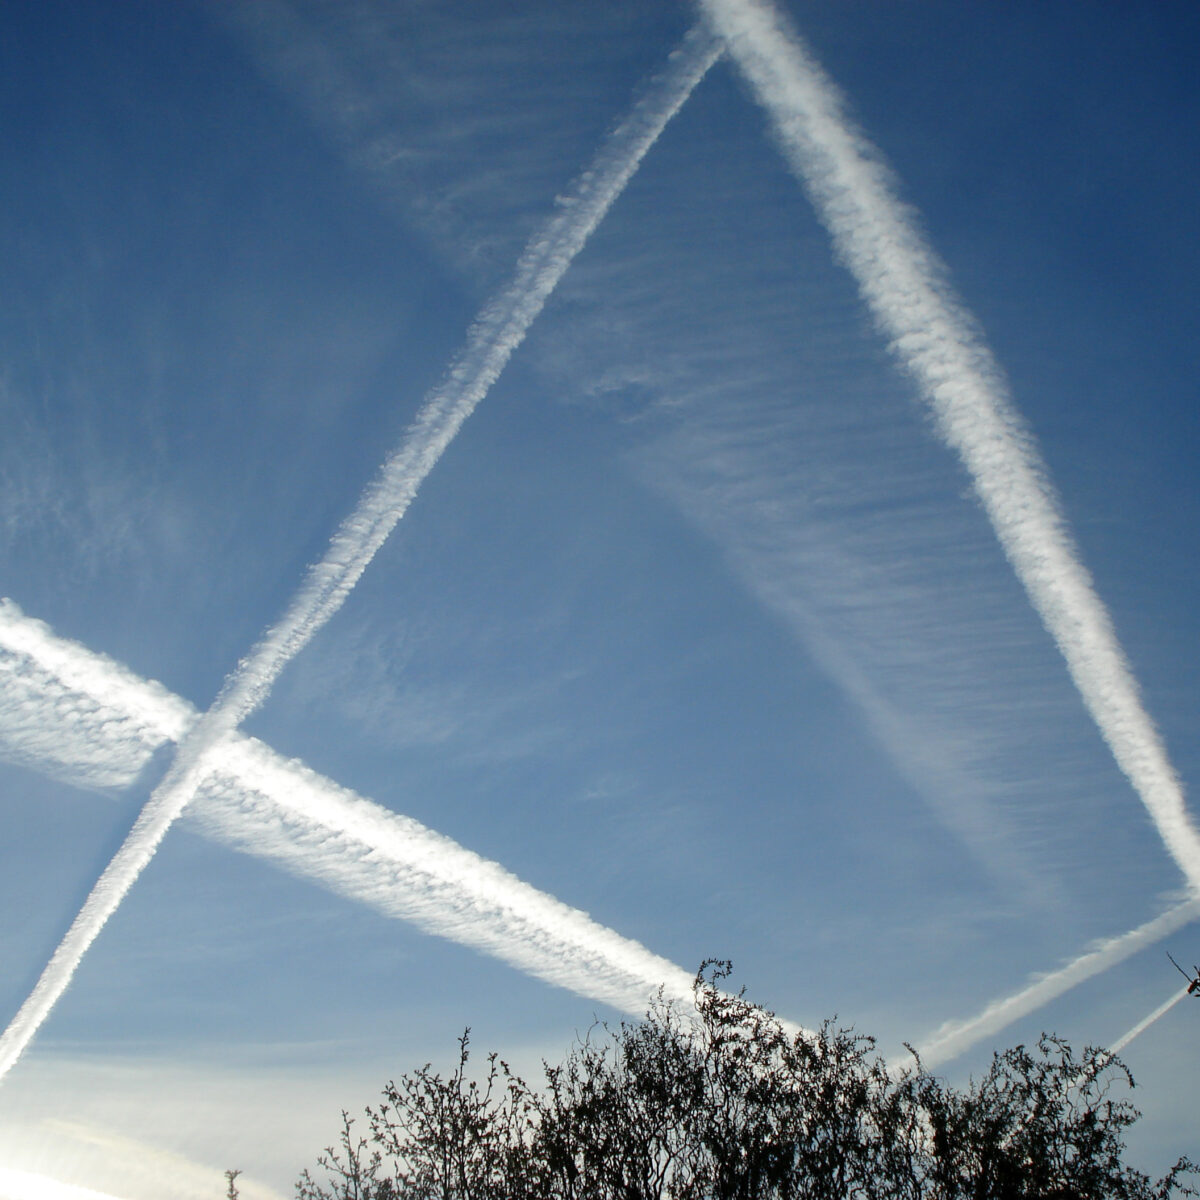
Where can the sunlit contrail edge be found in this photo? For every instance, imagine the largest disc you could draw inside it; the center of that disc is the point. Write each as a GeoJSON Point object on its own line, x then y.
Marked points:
{"type": "Point", "coordinates": [938, 344]}
{"type": "Point", "coordinates": [491, 341]}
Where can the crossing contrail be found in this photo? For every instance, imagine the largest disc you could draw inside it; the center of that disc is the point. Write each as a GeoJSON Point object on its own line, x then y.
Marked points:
{"type": "Point", "coordinates": [491, 341]}
{"type": "Point", "coordinates": [78, 716]}
{"type": "Point", "coordinates": [955, 1037]}
{"type": "Point", "coordinates": [938, 345]}
{"type": "Point", "coordinates": [57, 692]}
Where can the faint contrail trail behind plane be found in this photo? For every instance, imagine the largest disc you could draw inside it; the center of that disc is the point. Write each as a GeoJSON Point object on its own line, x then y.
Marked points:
{"type": "Point", "coordinates": [495, 335]}
{"type": "Point", "coordinates": [1146, 1022]}
{"type": "Point", "coordinates": [937, 343]}
{"type": "Point", "coordinates": [955, 1037]}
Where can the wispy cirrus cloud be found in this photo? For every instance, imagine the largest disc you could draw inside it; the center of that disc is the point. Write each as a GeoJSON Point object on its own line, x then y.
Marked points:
{"type": "Point", "coordinates": [408, 99]}
{"type": "Point", "coordinates": [760, 407]}
{"type": "Point", "coordinates": [895, 600]}
{"type": "Point", "coordinates": [938, 345]}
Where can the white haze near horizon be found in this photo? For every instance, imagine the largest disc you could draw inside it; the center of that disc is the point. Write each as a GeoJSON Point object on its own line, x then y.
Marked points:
{"type": "Point", "coordinates": [696, 629]}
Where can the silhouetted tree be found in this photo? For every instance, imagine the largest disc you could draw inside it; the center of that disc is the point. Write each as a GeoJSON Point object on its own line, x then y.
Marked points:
{"type": "Point", "coordinates": [724, 1104]}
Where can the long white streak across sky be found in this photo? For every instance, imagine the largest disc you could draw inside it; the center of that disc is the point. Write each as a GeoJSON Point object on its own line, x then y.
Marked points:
{"type": "Point", "coordinates": [937, 343]}
{"type": "Point", "coordinates": [955, 1037]}
{"type": "Point", "coordinates": [55, 690]}
{"type": "Point", "coordinates": [282, 811]}
{"type": "Point", "coordinates": [491, 341]}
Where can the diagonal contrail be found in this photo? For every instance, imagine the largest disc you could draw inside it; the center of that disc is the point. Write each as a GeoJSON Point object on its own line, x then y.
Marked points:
{"type": "Point", "coordinates": [55, 692]}
{"type": "Point", "coordinates": [491, 341]}
{"type": "Point", "coordinates": [1146, 1022]}
{"type": "Point", "coordinates": [938, 344]}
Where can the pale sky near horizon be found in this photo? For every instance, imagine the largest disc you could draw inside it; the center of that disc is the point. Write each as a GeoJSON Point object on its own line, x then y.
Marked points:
{"type": "Point", "coordinates": [697, 626]}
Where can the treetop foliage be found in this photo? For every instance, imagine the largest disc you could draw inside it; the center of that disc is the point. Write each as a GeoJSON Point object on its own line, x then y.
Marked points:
{"type": "Point", "coordinates": [723, 1104]}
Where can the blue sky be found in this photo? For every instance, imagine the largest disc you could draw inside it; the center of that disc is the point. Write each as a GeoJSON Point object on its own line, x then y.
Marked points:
{"type": "Point", "coordinates": [698, 625]}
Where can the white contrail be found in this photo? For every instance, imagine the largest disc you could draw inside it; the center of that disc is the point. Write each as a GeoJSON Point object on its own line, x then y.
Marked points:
{"type": "Point", "coordinates": [955, 1037]}
{"type": "Point", "coordinates": [491, 341]}
{"type": "Point", "coordinates": [278, 809]}
{"type": "Point", "coordinates": [938, 344]}
{"type": "Point", "coordinates": [63, 708]}
{"type": "Point", "coordinates": [282, 811]}
{"type": "Point", "coordinates": [1146, 1022]}
{"type": "Point", "coordinates": [497, 332]}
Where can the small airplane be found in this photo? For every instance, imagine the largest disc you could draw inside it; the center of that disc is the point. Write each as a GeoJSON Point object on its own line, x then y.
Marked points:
{"type": "Point", "coordinates": [1193, 983]}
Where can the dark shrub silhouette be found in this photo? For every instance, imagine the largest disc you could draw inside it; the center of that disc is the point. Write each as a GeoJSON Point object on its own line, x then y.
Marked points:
{"type": "Point", "coordinates": [724, 1104]}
